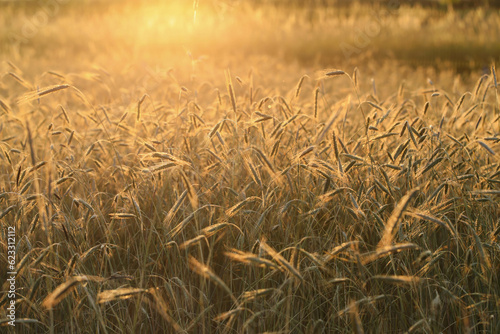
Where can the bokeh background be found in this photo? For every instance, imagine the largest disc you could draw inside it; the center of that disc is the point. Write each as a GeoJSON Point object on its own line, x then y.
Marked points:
{"type": "Point", "coordinates": [461, 35]}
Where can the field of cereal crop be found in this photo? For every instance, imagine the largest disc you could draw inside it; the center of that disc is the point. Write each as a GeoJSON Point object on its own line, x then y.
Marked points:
{"type": "Point", "coordinates": [249, 167]}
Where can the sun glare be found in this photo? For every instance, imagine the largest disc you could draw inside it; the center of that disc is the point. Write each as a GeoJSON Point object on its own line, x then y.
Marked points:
{"type": "Point", "coordinates": [157, 25]}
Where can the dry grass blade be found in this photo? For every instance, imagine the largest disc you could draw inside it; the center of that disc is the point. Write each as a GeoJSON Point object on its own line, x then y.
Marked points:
{"type": "Point", "coordinates": [228, 314]}
{"type": "Point", "coordinates": [316, 95]}
{"type": "Point", "coordinates": [178, 229]}
{"type": "Point", "coordinates": [7, 210]}
{"type": "Point", "coordinates": [250, 320]}
{"type": "Point", "coordinates": [191, 192]}
{"type": "Point", "coordinates": [157, 302]}
{"type": "Point", "coordinates": [305, 152]}
{"type": "Point", "coordinates": [264, 159]}
{"type": "Point", "coordinates": [5, 107]}
{"type": "Point", "coordinates": [454, 139]}
{"type": "Point", "coordinates": [159, 168]}
{"type": "Point", "coordinates": [394, 219]}
{"type": "Point", "coordinates": [384, 251]}
{"type": "Point", "coordinates": [37, 94]}
{"type": "Point", "coordinates": [290, 120]}
{"type": "Point", "coordinates": [26, 321]}
{"type": "Point", "coordinates": [335, 148]}
{"type": "Point", "coordinates": [107, 296]}
{"type": "Point", "coordinates": [212, 229]}
{"type": "Point", "coordinates": [167, 156]}
{"type": "Point", "coordinates": [427, 216]}
{"type": "Point", "coordinates": [354, 157]}
{"type": "Point", "coordinates": [429, 166]}
{"type": "Point", "coordinates": [410, 133]}
{"type": "Point", "coordinates": [236, 208]}
{"type": "Point", "coordinates": [85, 204]}
{"type": "Point", "coordinates": [355, 318]}
{"type": "Point", "coordinates": [337, 281]}
{"type": "Point", "coordinates": [139, 106]}
{"type": "Point", "coordinates": [281, 260]}
{"type": "Point", "coordinates": [263, 117]}
{"type": "Point", "coordinates": [150, 147]}
{"type": "Point", "coordinates": [486, 192]}
{"type": "Point", "coordinates": [230, 90]}
{"type": "Point", "coordinates": [221, 140]}
{"type": "Point", "coordinates": [421, 324]}
{"type": "Point", "coordinates": [493, 71]}
{"type": "Point", "coordinates": [330, 122]}
{"type": "Point", "coordinates": [299, 85]}
{"type": "Point", "coordinates": [206, 272]}
{"type": "Point", "coordinates": [338, 249]}
{"type": "Point", "coordinates": [486, 147]}
{"type": "Point", "coordinates": [33, 264]}
{"type": "Point", "coordinates": [253, 172]}
{"type": "Point", "coordinates": [479, 85]}
{"type": "Point", "coordinates": [483, 255]}
{"type": "Point", "coordinates": [171, 213]}
{"type": "Point", "coordinates": [56, 296]}
{"type": "Point", "coordinates": [214, 129]}
{"type": "Point", "coordinates": [328, 197]}
{"type": "Point", "coordinates": [250, 259]}
{"type": "Point", "coordinates": [192, 242]}
{"type": "Point", "coordinates": [89, 252]}
{"type": "Point", "coordinates": [355, 76]}
{"type": "Point", "coordinates": [23, 82]}
{"type": "Point", "coordinates": [315, 258]}
{"type": "Point", "coordinates": [122, 215]}
{"type": "Point", "coordinates": [333, 73]}
{"type": "Point", "coordinates": [65, 114]}
{"type": "Point", "coordinates": [357, 303]}
{"type": "Point", "coordinates": [30, 142]}
{"type": "Point", "coordinates": [382, 136]}
{"type": "Point", "coordinates": [248, 296]}
{"type": "Point", "coordinates": [90, 149]}
{"type": "Point", "coordinates": [397, 279]}
{"type": "Point", "coordinates": [460, 102]}
{"type": "Point", "coordinates": [400, 149]}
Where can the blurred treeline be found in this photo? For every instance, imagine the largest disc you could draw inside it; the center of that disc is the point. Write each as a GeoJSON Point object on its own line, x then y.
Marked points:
{"type": "Point", "coordinates": [436, 4]}
{"type": "Point", "coordinates": [443, 4]}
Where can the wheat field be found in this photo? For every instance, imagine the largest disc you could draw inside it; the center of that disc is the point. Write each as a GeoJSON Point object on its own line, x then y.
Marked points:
{"type": "Point", "coordinates": [215, 188]}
